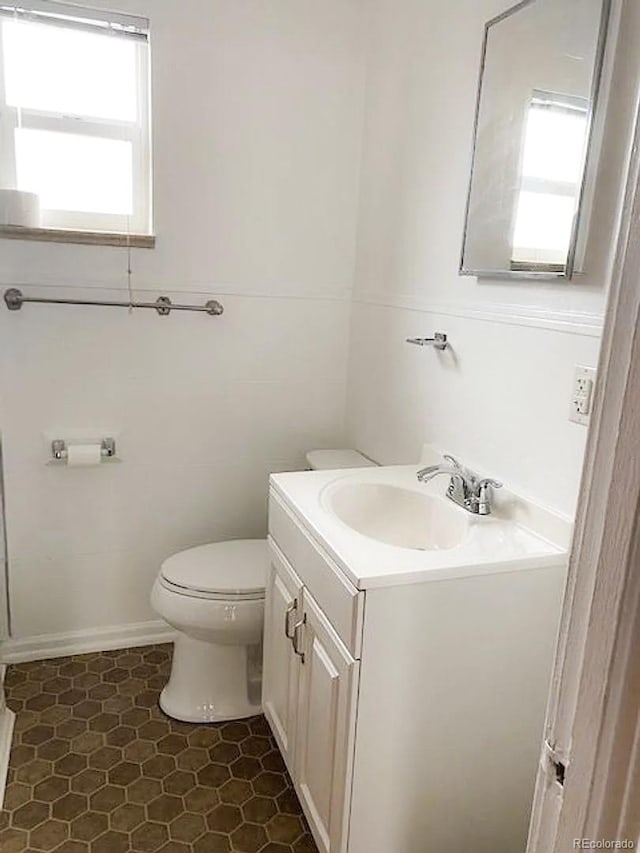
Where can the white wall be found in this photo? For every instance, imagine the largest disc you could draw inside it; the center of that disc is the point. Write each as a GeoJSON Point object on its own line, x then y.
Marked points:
{"type": "Point", "coordinates": [258, 130]}
{"type": "Point", "coordinates": [500, 398]}
{"type": "Point", "coordinates": [257, 120]}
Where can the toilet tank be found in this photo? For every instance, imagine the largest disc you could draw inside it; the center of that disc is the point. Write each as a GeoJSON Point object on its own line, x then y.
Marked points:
{"type": "Point", "coordinates": [329, 460]}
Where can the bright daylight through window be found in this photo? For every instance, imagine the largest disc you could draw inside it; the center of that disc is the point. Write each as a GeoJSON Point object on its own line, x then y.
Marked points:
{"type": "Point", "coordinates": [551, 171]}
{"type": "Point", "coordinates": [74, 115]}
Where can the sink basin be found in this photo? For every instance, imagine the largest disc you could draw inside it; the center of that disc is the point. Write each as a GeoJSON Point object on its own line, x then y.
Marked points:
{"type": "Point", "coordinates": [383, 528]}
{"type": "Point", "coordinates": [397, 516]}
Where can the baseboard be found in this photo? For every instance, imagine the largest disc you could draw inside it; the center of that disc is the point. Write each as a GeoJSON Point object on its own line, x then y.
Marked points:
{"type": "Point", "coordinates": [80, 642]}
{"type": "Point", "coordinates": [7, 719]}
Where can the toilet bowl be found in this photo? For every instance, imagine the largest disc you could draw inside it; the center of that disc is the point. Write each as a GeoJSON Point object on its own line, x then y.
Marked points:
{"type": "Point", "coordinates": [213, 596]}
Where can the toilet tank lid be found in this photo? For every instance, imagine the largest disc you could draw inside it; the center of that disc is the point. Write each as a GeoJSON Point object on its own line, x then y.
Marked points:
{"type": "Point", "coordinates": [328, 460]}
{"type": "Point", "coordinates": [235, 567]}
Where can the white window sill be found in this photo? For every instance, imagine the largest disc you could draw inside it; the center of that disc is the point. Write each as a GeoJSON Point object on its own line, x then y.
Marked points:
{"type": "Point", "coordinates": [63, 235]}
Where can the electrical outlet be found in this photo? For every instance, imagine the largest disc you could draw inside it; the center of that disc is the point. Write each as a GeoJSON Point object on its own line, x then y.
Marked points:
{"type": "Point", "coordinates": [582, 395]}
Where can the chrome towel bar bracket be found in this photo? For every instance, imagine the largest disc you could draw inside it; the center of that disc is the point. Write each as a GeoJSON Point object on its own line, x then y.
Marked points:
{"type": "Point", "coordinates": [439, 341]}
{"type": "Point", "coordinates": [15, 299]}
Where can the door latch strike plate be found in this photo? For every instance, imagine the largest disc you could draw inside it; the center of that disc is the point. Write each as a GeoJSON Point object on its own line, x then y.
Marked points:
{"type": "Point", "coordinates": [558, 766]}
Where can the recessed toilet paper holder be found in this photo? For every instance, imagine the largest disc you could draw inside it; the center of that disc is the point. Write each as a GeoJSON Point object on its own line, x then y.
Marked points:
{"type": "Point", "coordinates": [60, 452]}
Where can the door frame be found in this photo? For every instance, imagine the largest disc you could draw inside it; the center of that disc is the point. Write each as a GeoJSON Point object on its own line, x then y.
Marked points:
{"type": "Point", "coordinates": [592, 732]}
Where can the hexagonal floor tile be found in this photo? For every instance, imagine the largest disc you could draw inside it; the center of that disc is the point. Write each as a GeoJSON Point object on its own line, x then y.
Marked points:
{"type": "Point", "coordinates": [49, 834]}
{"type": "Point", "coordinates": [249, 838]}
{"type": "Point", "coordinates": [89, 826]}
{"type": "Point", "coordinates": [165, 808]}
{"type": "Point", "coordinates": [98, 768]}
{"type": "Point", "coordinates": [69, 806]}
{"type": "Point", "coordinates": [149, 837]}
{"type": "Point", "coordinates": [127, 817]}
{"type": "Point", "coordinates": [259, 810]}
{"type": "Point", "coordinates": [224, 818]}
{"type": "Point", "coordinates": [187, 827]}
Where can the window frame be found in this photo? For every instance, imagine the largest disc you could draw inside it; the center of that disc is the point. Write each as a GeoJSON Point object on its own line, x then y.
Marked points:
{"type": "Point", "coordinates": [137, 132]}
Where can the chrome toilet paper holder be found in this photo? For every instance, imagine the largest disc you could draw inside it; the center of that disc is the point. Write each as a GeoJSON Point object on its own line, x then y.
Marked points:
{"type": "Point", "coordinates": [60, 451]}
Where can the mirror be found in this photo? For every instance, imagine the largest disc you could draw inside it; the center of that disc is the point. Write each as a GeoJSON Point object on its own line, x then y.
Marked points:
{"type": "Point", "coordinates": [539, 81]}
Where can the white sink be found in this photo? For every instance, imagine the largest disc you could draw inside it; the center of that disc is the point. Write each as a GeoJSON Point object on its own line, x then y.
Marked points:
{"type": "Point", "coordinates": [383, 528]}
{"type": "Point", "coordinates": [398, 516]}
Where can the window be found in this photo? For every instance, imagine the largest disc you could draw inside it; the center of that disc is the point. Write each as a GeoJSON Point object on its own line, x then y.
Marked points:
{"type": "Point", "coordinates": [74, 114]}
{"type": "Point", "coordinates": [550, 182]}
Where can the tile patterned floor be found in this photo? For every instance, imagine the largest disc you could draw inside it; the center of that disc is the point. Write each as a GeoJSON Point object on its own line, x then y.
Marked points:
{"type": "Point", "coordinates": [96, 767]}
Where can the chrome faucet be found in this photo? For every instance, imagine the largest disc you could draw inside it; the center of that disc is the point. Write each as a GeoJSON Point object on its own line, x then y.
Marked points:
{"type": "Point", "coordinates": [466, 488]}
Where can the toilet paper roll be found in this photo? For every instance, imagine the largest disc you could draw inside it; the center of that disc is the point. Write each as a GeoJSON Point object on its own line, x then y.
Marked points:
{"type": "Point", "coordinates": [83, 455]}
{"type": "Point", "coordinates": [19, 208]}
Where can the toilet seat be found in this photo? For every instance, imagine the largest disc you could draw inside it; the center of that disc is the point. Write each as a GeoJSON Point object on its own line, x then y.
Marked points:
{"type": "Point", "coordinates": [210, 596]}
{"type": "Point", "coordinates": [220, 571]}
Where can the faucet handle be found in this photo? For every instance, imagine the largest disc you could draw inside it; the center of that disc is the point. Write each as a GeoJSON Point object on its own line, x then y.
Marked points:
{"type": "Point", "coordinates": [424, 473]}
{"type": "Point", "coordinates": [453, 461]}
{"type": "Point", "coordinates": [488, 482]}
{"type": "Point", "coordinates": [453, 469]}
{"type": "Point", "coordinates": [482, 497]}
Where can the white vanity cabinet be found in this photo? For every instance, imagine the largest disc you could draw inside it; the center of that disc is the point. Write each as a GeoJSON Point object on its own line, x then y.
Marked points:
{"type": "Point", "coordinates": [309, 689]}
{"type": "Point", "coordinates": [412, 724]}
{"type": "Point", "coordinates": [326, 727]}
{"type": "Point", "coordinates": [281, 670]}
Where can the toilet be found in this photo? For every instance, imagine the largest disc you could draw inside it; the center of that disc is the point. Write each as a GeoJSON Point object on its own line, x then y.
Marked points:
{"type": "Point", "coordinates": [213, 596]}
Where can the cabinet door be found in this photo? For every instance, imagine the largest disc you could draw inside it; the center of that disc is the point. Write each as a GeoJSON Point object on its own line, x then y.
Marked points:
{"type": "Point", "coordinates": [281, 666]}
{"type": "Point", "coordinates": [326, 728]}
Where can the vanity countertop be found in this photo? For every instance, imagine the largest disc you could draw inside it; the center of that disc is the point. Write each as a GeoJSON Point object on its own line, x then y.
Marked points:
{"type": "Point", "coordinates": [518, 536]}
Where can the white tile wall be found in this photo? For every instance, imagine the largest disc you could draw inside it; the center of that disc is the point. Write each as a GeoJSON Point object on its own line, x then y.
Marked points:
{"type": "Point", "coordinates": [261, 181]}
{"type": "Point", "coordinates": [257, 117]}
{"type": "Point", "coordinates": [500, 397]}
{"type": "Point", "coordinates": [202, 409]}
